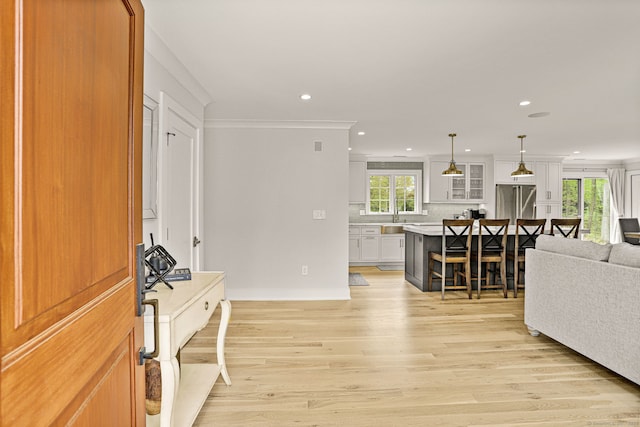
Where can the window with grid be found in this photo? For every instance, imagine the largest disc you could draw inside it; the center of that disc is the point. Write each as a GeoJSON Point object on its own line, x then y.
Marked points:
{"type": "Point", "coordinates": [588, 198]}
{"type": "Point", "coordinates": [394, 192]}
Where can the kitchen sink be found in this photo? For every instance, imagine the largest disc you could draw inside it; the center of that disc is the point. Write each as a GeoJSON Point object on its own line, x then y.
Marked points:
{"type": "Point", "coordinates": [391, 229]}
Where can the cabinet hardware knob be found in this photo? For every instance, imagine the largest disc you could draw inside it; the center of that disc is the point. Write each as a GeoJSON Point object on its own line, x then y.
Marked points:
{"type": "Point", "coordinates": [206, 305]}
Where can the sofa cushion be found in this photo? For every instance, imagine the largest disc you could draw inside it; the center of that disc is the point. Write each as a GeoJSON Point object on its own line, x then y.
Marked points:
{"type": "Point", "coordinates": [574, 247]}
{"type": "Point", "coordinates": [625, 254]}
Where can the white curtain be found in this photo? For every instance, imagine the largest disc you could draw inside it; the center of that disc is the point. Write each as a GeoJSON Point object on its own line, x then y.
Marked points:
{"type": "Point", "coordinates": [616, 184]}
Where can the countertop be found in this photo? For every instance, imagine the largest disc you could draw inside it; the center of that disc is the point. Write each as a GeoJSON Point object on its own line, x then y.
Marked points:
{"type": "Point", "coordinates": [396, 223]}
{"type": "Point", "coordinates": [425, 228]}
{"type": "Point", "coordinates": [436, 230]}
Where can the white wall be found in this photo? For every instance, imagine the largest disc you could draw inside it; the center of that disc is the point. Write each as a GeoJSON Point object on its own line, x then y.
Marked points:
{"type": "Point", "coordinates": [163, 73]}
{"type": "Point", "coordinates": [261, 187]}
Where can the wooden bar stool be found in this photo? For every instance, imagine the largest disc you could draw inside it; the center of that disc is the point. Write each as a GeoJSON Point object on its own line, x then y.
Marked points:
{"type": "Point", "coordinates": [456, 250]}
{"type": "Point", "coordinates": [527, 231]}
{"type": "Point", "coordinates": [567, 227]}
{"type": "Point", "coordinates": [492, 250]}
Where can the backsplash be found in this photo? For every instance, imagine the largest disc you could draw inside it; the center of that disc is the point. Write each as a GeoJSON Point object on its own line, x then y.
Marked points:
{"type": "Point", "coordinates": [436, 212]}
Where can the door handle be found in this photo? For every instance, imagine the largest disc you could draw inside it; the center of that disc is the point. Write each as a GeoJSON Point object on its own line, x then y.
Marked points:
{"type": "Point", "coordinates": [156, 337]}
{"type": "Point", "coordinates": [141, 290]}
{"type": "Point", "coordinates": [196, 241]}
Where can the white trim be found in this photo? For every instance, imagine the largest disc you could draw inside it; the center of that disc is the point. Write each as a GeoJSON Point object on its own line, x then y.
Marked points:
{"type": "Point", "coordinates": [150, 158]}
{"type": "Point", "coordinates": [156, 47]}
{"type": "Point", "coordinates": [169, 104]}
{"type": "Point", "coordinates": [277, 124]}
{"type": "Point", "coordinates": [392, 173]}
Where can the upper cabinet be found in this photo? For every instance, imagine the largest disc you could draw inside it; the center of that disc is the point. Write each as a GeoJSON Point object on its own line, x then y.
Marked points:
{"type": "Point", "coordinates": [357, 182]}
{"type": "Point", "coordinates": [548, 181]}
{"type": "Point", "coordinates": [502, 173]}
{"type": "Point", "coordinates": [464, 189]}
{"type": "Point", "coordinates": [438, 184]}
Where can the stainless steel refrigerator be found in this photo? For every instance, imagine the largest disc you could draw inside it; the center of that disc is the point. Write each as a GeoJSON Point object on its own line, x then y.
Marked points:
{"type": "Point", "coordinates": [515, 201]}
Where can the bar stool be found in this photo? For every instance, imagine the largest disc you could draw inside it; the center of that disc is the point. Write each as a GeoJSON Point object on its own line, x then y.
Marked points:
{"type": "Point", "coordinates": [456, 250]}
{"type": "Point", "coordinates": [492, 249]}
{"type": "Point", "coordinates": [527, 231]}
{"type": "Point", "coordinates": [567, 227]}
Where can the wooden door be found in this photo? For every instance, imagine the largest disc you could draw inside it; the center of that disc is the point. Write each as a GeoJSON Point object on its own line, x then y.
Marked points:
{"type": "Point", "coordinates": [70, 213]}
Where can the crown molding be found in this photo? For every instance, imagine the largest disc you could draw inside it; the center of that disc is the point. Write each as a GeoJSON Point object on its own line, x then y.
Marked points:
{"type": "Point", "coordinates": [278, 124]}
{"type": "Point", "coordinates": [156, 47]}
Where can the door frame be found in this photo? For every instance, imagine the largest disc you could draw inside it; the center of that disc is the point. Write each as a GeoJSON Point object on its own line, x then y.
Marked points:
{"type": "Point", "coordinates": [169, 106]}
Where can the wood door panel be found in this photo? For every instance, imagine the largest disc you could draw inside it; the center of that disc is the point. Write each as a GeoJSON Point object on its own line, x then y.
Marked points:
{"type": "Point", "coordinates": [70, 211]}
{"type": "Point", "coordinates": [27, 399]}
{"type": "Point", "coordinates": [110, 390]}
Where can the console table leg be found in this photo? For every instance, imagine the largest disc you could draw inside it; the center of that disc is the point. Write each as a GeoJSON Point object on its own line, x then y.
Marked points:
{"type": "Point", "coordinates": [170, 372]}
{"type": "Point", "coordinates": [225, 305]}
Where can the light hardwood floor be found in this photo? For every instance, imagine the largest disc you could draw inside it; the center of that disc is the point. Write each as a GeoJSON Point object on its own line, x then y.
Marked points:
{"type": "Point", "coordinates": [394, 356]}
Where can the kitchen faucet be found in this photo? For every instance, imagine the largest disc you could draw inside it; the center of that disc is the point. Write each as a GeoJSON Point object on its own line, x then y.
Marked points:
{"type": "Point", "coordinates": [396, 217]}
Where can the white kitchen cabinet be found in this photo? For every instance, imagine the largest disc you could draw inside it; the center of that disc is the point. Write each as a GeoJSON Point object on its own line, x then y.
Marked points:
{"type": "Point", "coordinates": [467, 188]}
{"type": "Point", "coordinates": [357, 182]}
{"type": "Point", "coordinates": [354, 248]}
{"type": "Point", "coordinates": [548, 210]}
{"type": "Point", "coordinates": [354, 243]}
{"type": "Point", "coordinates": [392, 247]}
{"type": "Point", "coordinates": [438, 184]}
{"type": "Point", "coordinates": [548, 182]}
{"type": "Point", "coordinates": [502, 173]}
{"type": "Point", "coordinates": [369, 248]}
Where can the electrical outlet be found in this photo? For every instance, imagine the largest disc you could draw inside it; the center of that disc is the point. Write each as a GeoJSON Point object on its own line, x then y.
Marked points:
{"type": "Point", "coordinates": [319, 214]}
{"type": "Point", "coordinates": [305, 270]}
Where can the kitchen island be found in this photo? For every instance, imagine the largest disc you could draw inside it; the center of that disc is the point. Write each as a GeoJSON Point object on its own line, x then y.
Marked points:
{"type": "Point", "coordinates": [422, 239]}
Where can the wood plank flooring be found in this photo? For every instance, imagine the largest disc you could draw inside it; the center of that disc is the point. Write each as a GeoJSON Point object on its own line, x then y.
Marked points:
{"type": "Point", "coordinates": [394, 356]}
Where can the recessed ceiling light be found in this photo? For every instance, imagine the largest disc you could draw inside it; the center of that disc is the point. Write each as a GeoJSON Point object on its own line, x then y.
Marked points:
{"type": "Point", "coordinates": [541, 114]}
{"type": "Point", "coordinates": [524, 103]}
{"type": "Point", "coordinates": [305, 97]}
{"type": "Point", "coordinates": [576, 152]}
{"type": "Point", "coordinates": [360, 133]}
{"type": "Point", "coordinates": [467, 149]}
{"type": "Point", "coordinates": [349, 148]}
{"type": "Point", "coordinates": [409, 149]}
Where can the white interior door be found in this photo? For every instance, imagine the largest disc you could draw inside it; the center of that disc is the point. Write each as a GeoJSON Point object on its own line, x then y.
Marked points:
{"type": "Point", "coordinates": [181, 199]}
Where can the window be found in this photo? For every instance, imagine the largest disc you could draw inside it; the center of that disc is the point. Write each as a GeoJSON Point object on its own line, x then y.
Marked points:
{"type": "Point", "coordinates": [392, 192]}
{"type": "Point", "coordinates": [588, 198]}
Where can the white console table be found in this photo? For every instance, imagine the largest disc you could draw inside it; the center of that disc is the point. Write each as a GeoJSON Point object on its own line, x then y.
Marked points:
{"type": "Point", "coordinates": [182, 312]}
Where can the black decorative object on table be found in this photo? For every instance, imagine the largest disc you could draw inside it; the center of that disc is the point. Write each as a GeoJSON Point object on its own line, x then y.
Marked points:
{"type": "Point", "coordinates": [160, 264]}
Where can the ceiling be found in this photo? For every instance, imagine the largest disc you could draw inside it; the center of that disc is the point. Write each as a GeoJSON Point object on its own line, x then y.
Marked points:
{"type": "Point", "coordinates": [409, 72]}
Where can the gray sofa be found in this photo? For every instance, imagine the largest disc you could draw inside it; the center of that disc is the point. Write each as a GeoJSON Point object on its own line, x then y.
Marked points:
{"type": "Point", "coordinates": [587, 297]}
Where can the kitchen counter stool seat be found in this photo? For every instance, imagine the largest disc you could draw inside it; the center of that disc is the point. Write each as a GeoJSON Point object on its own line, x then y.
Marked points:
{"type": "Point", "coordinates": [456, 250]}
{"type": "Point", "coordinates": [492, 250]}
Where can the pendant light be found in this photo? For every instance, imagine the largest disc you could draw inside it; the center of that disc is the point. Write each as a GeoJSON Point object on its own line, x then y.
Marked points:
{"type": "Point", "coordinates": [452, 170]}
{"type": "Point", "coordinates": [522, 169]}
